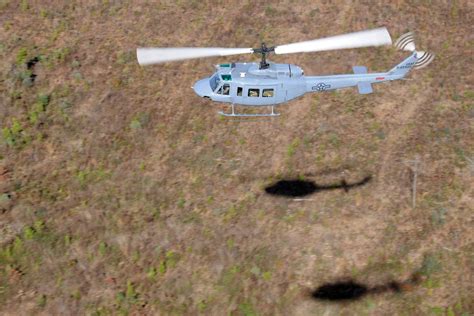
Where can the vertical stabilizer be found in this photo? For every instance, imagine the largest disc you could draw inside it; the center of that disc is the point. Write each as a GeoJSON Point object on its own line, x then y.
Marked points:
{"type": "Point", "coordinates": [417, 60]}
{"type": "Point", "coordinates": [404, 67]}
{"type": "Point", "coordinates": [407, 42]}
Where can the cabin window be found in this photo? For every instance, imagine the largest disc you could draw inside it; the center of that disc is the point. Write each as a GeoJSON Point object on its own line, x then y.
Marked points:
{"type": "Point", "coordinates": [267, 93]}
{"type": "Point", "coordinates": [254, 92]}
{"type": "Point", "coordinates": [239, 91]}
{"type": "Point", "coordinates": [227, 77]}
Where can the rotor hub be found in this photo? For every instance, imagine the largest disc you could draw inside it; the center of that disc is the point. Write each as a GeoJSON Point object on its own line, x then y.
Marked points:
{"type": "Point", "coordinates": [264, 50]}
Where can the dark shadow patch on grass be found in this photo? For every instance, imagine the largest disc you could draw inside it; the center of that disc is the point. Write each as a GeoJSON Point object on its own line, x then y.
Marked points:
{"type": "Point", "coordinates": [293, 188]}
{"type": "Point", "coordinates": [352, 291]}
{"type": "Point", "coordinates": [32, 62]}
{"type": "Point", "coordinates": [340, 291]}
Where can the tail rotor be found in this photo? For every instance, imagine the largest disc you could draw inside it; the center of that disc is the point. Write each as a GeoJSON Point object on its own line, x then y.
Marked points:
{"type": "Point", "coordinates": [424, 59]}
{"type": "Point", "coordinates": [407, 42]}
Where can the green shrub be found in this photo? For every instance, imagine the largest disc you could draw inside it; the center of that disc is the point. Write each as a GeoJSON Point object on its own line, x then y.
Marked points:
{"type": "Point", "coordinates": [140, 120]}
{"type": "Point", "coordinates": [430, 265]}
{"type": "Point", "coordinates": [125, 57]}
{"type": "Point", "coordinates": [292, 147]}
{"type": "Point", "coordinates": [24, 6]}
{"type": "Point", "coordinates": [21, 56]}
{"type": "Point", "coordinates": [57, 57]}
{"type": "Point", "coordinates": [42, 101]}
{"type": "Point", "coordinates": [39, 107]}
{"type": "Point", "coordinates": [247, 309]}
{"type": "Point", "coordinates": [42, 300]}
{"type": "Point", "coordinates": [152, 272]}
{"type": "Point", "coordinates": [102, 248]}
{"type": "Point", "coordinates": [14, 136]}
{"type": "Point", "coordinates": [131, 293]}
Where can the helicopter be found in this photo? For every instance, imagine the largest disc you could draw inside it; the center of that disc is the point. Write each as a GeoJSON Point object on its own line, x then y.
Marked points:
{"type": "Point", "coordinates": [270, 84]}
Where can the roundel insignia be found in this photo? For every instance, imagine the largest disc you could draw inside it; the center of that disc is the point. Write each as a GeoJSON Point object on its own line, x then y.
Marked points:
{"type": "Point", "coordinates": [321, 86]}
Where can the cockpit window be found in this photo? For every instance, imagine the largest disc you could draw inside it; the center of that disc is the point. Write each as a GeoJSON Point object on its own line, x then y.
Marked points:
{"type": "Point", "coordinates": [214, 82]}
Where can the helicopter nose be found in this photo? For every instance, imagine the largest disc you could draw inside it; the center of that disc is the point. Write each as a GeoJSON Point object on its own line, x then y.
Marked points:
{"type": "Point", "coordinates": [203, 88]}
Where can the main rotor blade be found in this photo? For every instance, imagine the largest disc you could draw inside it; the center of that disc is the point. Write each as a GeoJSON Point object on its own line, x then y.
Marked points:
{"type": "Point", "coordinates": [375, 37]}
{"type": "Point", "coordinates": [148, 56]}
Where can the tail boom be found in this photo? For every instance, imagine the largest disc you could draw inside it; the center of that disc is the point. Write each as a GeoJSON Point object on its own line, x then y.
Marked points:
{"type": "Point", "coordinates": [360, 79]}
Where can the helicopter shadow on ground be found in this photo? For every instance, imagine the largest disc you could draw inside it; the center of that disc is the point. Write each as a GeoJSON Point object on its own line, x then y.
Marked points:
{"type": "Point", "coordinates": [350, 290]}
{"type": "Point", "coordinates": [298, 188]}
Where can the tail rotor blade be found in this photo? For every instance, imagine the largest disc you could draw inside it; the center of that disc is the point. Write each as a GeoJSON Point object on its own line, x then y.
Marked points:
{"type": "Point", "coordinates": [149, 56]}
{"type": "Point", "coordinates": [406, 42]}
{"type": "Point", "coordinates": [375, 37]}
{"type": "Point", "coordinates": [424, 59]}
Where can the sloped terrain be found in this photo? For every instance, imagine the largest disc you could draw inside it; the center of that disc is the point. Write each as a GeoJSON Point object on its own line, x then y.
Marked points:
{"type": "Point", "coordinates": [122, 192]}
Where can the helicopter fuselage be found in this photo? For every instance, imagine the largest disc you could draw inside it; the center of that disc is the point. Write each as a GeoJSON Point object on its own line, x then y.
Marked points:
{"type": "Point", "coordinates": [247, 84]}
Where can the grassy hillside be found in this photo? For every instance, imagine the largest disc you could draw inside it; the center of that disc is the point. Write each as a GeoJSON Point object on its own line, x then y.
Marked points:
{"type": "Point", "coordinates": [122, 192]}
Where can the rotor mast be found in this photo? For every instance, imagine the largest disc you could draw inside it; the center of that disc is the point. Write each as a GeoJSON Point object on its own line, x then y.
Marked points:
{"type": "Point", "coordinates": [264, 50]}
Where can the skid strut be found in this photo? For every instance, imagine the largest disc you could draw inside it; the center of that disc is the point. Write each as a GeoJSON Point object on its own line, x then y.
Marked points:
{"type": "Point", "coordinates": [233, 114]}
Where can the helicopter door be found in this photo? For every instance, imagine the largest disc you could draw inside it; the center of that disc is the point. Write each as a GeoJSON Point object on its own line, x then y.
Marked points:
{"type": "Point", "coordinates": [222, 93]}
{"type": "Point", "coordinates": [238, 94]}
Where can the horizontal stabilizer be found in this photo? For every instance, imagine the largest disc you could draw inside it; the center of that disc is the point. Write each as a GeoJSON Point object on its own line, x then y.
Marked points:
{"type": "Point", "coordinates": [359, 69]}
{"type": "Point", "coordinates": [364, 87]}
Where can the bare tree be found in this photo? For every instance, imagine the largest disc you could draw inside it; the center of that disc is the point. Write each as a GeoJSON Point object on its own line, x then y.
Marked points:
{"type": "Point", "coordinates": [414, 166]}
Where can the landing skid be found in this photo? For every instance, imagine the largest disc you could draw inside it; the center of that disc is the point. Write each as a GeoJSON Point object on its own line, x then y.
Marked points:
{"type": "Point", "coordinates": [233, 114]}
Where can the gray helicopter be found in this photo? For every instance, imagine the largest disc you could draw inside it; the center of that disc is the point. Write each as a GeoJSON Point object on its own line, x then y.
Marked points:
{"type": "Point", "coordinates": [270, 84]}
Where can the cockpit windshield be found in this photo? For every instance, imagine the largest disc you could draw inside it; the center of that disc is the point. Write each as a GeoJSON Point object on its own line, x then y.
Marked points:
{"type": "Point", "coordinates": [214, 81]}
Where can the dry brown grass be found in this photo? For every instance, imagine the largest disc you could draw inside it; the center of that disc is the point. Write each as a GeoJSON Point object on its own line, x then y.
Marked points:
{"type": "Point", "coordinates": [127, 194]}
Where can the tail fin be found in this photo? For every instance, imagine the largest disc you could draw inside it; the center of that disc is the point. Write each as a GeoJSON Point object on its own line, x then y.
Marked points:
{"type": "Point", "coordinates": [405, 66]}
{"type": "Point", "coordinates": [417, 60]}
